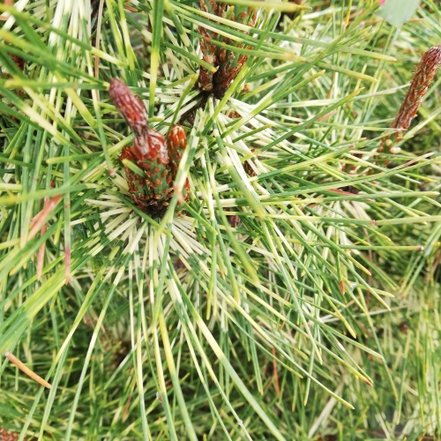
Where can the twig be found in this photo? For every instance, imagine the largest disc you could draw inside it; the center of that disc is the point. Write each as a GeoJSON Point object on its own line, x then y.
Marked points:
{"type": "Point", "coordinates": [27, 371]}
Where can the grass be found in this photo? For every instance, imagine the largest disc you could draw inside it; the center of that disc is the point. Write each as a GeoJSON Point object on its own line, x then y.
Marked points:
{"type": "Point", "coordinates": [315, 317]}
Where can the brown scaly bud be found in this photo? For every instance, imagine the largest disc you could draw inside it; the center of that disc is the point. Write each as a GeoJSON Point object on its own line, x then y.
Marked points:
{"type": "Point", "coordinates": [422, 79]}
{"type": "Point", "coordinates": [228, 63]}
{"type": "Point", "coordinates": [131, 107]}
{"type": "Point", "coordinates": [156, 157]}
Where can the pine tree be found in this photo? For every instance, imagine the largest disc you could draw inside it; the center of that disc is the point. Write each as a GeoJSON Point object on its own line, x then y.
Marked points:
{"type": "Point", "coordinates": [286, 283]}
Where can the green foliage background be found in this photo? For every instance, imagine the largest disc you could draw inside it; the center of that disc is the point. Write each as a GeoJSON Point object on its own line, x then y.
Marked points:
{"type": "Point", "coordinates": [316, 317]}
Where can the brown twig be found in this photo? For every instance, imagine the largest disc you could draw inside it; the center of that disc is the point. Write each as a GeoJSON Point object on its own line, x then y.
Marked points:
{"type": "Point", "coordinates": [27, 371]}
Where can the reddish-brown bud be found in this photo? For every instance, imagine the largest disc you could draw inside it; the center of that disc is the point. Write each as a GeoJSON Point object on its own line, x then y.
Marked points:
{"type": "Point", "coordinates": [422, 79]}
{"type": "Point", "coordinates": [157, 158]}
{"type": "Point", "coordinates": [177, 138]}
{"type": "Point", "coordinates": [131, 107]}
{"type": "Point", "coordinates": [177, 143]}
